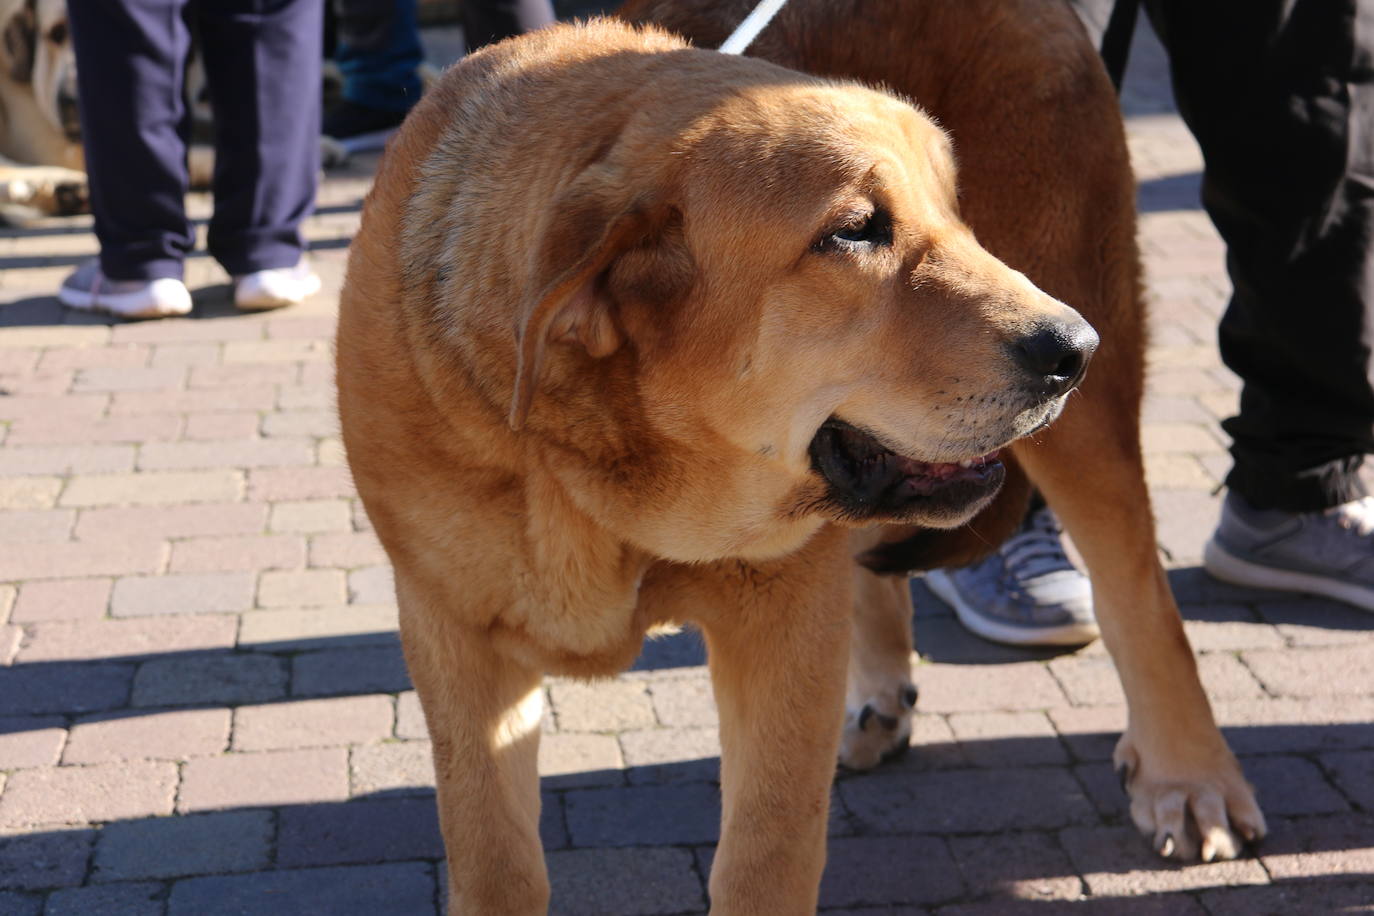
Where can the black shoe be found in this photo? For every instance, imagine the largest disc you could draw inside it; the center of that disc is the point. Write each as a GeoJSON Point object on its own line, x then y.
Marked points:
{"type": "Point", "coordinates": [358, 128]}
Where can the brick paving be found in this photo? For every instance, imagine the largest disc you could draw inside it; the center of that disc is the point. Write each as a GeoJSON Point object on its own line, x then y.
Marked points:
{"type": "Point", "coordinates": [203, 707]}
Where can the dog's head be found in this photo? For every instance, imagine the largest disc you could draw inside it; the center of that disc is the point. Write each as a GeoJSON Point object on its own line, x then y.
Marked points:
{"type": "Point", "coordinates": [804, 329]}
{"type": "Point", "coordinates": [38, 51]}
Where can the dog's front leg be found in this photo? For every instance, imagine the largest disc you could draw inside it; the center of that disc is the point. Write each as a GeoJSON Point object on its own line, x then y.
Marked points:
{"type": "Point", "coordinates": [483, 711]}
{"type": "Point", "coordinates": [777, 658]}
{"type": "Point", "coordinates": [1187, 790]}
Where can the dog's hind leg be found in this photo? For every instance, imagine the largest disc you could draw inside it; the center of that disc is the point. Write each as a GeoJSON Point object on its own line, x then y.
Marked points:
{"type": "Point", "coordinates": [880, 695]}
{"type": "Point", "coordinates": [483, 711]}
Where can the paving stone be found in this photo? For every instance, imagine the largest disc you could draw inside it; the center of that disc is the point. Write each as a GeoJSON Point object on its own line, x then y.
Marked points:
{"type": "Point", "coordinates": [64, 640]}
{"type": "Point", "coordinates": [312, 516]}
{"type": "Point", "coordinates": [671, 755]}
{"type": "Point", "coordinates": [573, 760]}
{"type": "Point", "coordinates": [1090, 732]}
{"type": "Point", "coordinates": [29, 492]}
{"type": "Point", "coordinates": [346, 551]}
{"type": "Point", "coordinates": [245, 453]}
{"type": "Point", "coordinates": [34, 741]}
{"type": "Point", "coordinates": [302, 588]}
{"type": "Point", "coordinates": [1315, 672]}
{"type": "Point", "coordinates": [359, 890]}
{"type": "Point", "coordinates": [15, 904]}
{"type": "Point", "coordinates": [977, 688]}
{"type": "Point", "coordinates": [1164, 905]}
{"type": "Point", "coordinates": [1297, 725]}
{"type": "Point", "coordinates": [281, 484]}
{"type": "Point", "coordinates": [623, 882]}
{"type": "Point", "coordinates": [76, 559]}
{"type": "Point", "coordinates": [252, 376]}
{"type": "Point", "coordinates": [1000, 739]}
{"type": "Point", "coordinates": [397, 766]}
{"type": "Point", "coordinates": [1333, 846]}
{"type": "Point", "coordinates": [173, 521]}
{"type": "Point", "coordinates": [55, 857]}
{"type": "Point", "coordinates": [173, 847]}
{"type": "Point", "coordinates": [1286, 899]}
{"type": "Point", "coordinates": [312, 423]}
{"type": "Point", "coordinates": [371, 585]}
{"type": "Point", "coordinates": [320, 628]}
{"type": "Point", "coordinates": [1310, 621]}
{"type": "Point", "coordinates": [259, 780]}
{"type": "Point", "coordinates": [313, 723]}
{"type": "Point", "coordinates": [134, 403]}
{"type": "Point", "coordinates": [643, 815]}
{"type": "Point", "coordinates": [10, 637]}
{"type": "Point", "coordinates": [378, 669]}
{"type": "Point", "coordinates": [1026, 866]}
{"type": "Point", "coordinates": [140, 899]}
{"type": "Point", "coordinates": [153, 488]}
{"type": "Point", "coordinates": [1118, 862]}
{"type": "Point", "coordinates": [1093, 681]}
{"type": "Point", "coordinates": [887, 870]}
{"type": "Point", "coordinates": [384, 830]}
{"type": "Point", "coordinates": [171, 735]}
{"type": "Point", "coordinates": [62, 688]}
{"type": "Point", "coordinates": [1352, 772]}
{"type": "Point", "coordinates": [1291, 785]}
{"type": "Point", "coordinates": [240, 424]}
{"type": "Point", "coordinates": [65, 459]}
{"type": "Point", "coordinates": [7, 596]}
{"type": "Point", "coordinates": [967, 801]}
{"type": "Point", "coordinates": [81, 795]}
{"type": "Point", "coordinates": [602, 706]}
{"type": "Point", "coordinates": [196, 593]}
{"type": "Point", "coordinates": [33, 525]}
{"type": "Point", "coordinates": [410, 719]}
{"type": "Point", "coordinates": [199, 678]}
{"type": "Point", "coordinates": [684, 702]}
{"type": "Point", "coordinates": [62, 599]}
{"type": "Point", "coordinates": [224, 554]}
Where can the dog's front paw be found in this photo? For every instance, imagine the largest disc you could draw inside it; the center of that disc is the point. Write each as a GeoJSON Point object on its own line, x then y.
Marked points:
{"type": "Point", "coordinates": [878, 729]}
{"type": "Point", "coordinates": [1195, 804]}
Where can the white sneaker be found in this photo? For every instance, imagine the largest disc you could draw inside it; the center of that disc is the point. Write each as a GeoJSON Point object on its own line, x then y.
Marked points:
{"type": "Point", "coordinates": [90, 290]}
{"type": "Point", "coordinates": [276, 287]}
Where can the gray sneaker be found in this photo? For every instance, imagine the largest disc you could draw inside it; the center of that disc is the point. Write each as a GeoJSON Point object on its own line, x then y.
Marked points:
{"type": "Point", "coordinates": [1328, 553]}
{"type": "Point", "coordinates": [1027, 593]}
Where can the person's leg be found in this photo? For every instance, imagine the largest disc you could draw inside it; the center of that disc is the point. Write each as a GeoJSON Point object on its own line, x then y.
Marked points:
{"type": "Point", "coordinates": [379, 53]}
{"type": "Point", "coordinates": [1110, 24]}
{"type": "Point", "coordinates": [131, 60]}
{"type": "Point", "coordinates": [262, 62]}
{"type": "Point", "coordinates": [1281, 99]}
{"type": "Point", "coordinates": [489, 21]}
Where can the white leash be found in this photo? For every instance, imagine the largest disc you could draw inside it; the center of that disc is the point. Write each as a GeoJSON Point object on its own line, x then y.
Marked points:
{"type": "Point", "coordinates": [753, 24]}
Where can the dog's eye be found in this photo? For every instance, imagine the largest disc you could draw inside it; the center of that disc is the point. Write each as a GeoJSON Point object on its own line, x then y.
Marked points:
{"type": "Point", "coordinates": [58, 33]}
{"type": "Point", "coordinates": [860, 233]}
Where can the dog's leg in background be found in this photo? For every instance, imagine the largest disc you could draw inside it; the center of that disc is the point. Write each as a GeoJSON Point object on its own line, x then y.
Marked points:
{"type": "Point", "coordinates": [483, 712]}
{"type": "Point", "coordinates": [778, 636]}
{"type": "Point", "coordinates": [880, 696]}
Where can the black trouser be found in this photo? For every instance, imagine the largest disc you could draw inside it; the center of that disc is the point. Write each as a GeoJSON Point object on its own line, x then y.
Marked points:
{"type": "Point", "coordinates": [487, 21]}
{"type": "Point", "coordinates": [262, 62]}
{"type": "Point", "coordinates": [1280, 96]}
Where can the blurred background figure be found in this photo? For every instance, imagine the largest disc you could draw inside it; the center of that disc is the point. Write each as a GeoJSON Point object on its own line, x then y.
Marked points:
{"type": "Point", "coordinates": [380, 58]}
{"type": "Point", "coordinates": [262, 62]}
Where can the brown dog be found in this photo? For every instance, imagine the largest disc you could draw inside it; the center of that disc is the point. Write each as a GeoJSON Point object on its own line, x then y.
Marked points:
{"type": "Point", "coordinates": [628, 327]}
{"type": "Point", "coordinates": [1045, 182]}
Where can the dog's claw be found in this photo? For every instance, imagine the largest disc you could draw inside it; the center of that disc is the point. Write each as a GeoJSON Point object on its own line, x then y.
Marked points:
{"type": "Point", "coordinates": [909, 695]}
{"type": "Point", "coordinates": [1166, 849]}
{"type": "Point", "coordinates": [1123, 776]}
{"type": "Point", "coordinates": [864, 715]}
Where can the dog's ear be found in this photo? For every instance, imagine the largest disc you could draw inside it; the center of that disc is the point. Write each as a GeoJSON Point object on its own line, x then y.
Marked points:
{"type": "Point", "coordinates": [592, 225]}
{"type": "Point", "coordinates": [21, 42]}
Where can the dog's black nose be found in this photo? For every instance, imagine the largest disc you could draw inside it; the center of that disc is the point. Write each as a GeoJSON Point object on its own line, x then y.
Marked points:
{"type": "Point", "coordinates": [1056, 355]}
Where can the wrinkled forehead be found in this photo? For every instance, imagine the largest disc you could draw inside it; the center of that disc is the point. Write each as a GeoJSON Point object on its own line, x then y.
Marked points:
{"type": "Point", "coordinates": [801, 151]}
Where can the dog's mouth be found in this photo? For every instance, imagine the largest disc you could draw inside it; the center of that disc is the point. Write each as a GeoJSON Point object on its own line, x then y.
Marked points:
{"type": "Point", "coordinates": [871, 481]}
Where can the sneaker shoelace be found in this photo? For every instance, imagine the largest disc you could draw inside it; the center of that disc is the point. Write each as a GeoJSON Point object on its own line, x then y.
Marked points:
{"type": "Point", "coordinates": [1034, 551]}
